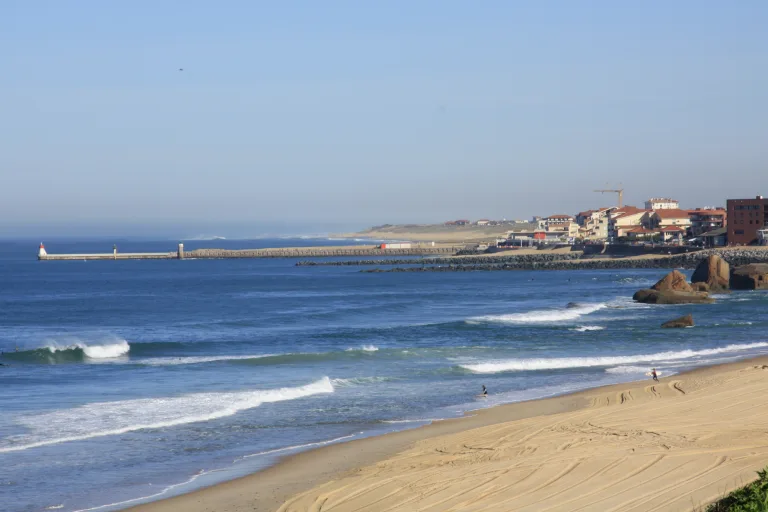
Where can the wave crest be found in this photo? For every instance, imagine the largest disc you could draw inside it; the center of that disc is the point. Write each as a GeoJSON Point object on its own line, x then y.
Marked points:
{"type": "Point", "coordinates": [358, 381]}
{"type": "Point", "coordinates": [113, 418]}
{"type": "Point", "coordinates": [558, 363]}
{"type": "Point", "coordinates": [544, 315]}
{"type": "Point", "coordinates": [364, 348]}
{"type": "Point", "coordinates": [74, 352]}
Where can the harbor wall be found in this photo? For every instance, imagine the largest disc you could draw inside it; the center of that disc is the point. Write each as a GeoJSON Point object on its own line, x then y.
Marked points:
{"type": "Point", "coordinates": [285, 252]}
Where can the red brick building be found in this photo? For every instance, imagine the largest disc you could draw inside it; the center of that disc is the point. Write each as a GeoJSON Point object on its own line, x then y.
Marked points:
{"type": "Point", "coordinates": [745, 218]}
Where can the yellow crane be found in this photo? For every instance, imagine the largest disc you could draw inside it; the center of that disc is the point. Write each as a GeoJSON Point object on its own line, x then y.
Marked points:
{"type": "Point", "coordinates": [619, 191]}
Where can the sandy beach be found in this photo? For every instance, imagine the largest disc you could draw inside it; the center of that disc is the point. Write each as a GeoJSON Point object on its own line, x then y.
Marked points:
{"type": "Point", "coordinates": [668, 446]}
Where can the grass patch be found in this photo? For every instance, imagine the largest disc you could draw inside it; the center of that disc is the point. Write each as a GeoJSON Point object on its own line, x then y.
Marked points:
{"type": "Point", "coordinates": [750, 498]}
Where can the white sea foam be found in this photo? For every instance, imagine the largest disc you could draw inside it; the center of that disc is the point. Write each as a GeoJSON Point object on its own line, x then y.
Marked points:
{"type": "Point", "coordinates": [113, 418]}
{"type": "Point", "coordinates": [585, 362]}
{"type": "Point", "coordinates": [585, 328]}
{"type": "Point", "coordinates": [627, 369]}
{"type": "Point", "coordinates": [94, 351]}
{"type": "Point", "coordinates": [423, 420]}
{"type": "Point", "coordinates": [543, 315]}
{"type": "Point", "coordinates": [299, 446]}
{"type": "Point", "coordinates": [150, 497]}
{"type": "Point", "coordinates": [364, 348]}
{"type": "Point", "coordinates": [169, 361]}
{"type": "Point", "coordinates": [357, 381]}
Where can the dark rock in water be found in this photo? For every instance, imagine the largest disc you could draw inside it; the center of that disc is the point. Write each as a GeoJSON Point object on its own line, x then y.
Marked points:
{"type": "Point", "coordinates": [572, 305]}
{"type": "Point", "coordinates": [645, 296]}
{"type": "Point", "coordinates": [674, 281]}
{"type": "Point", "coordinates": [750, 277]}
{"type": "Point", "coordinates": [700, 287]}
{"type": "Point", "coordinates": [671, 297]}
{"type": "Point", "coordinates": [672, 289]}
{"type": "Point", "coordinates": [715, 272]}
{"type": "Point", "coordinates": [683, 321]}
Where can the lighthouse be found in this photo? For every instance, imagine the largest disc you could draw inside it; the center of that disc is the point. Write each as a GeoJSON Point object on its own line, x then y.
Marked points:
{"type": "Point", "coordinates": [41, 253]}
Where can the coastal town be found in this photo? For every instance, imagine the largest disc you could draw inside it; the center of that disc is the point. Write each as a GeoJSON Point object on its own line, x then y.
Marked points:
{"type": "Point", "coordinates": [742, 222]}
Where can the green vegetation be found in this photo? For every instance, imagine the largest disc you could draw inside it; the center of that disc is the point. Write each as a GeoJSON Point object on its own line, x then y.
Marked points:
{"type": "Point", "coordinates": [751, 498]}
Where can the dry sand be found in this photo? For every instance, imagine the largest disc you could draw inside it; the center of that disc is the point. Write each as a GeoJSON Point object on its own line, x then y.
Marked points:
{"type": "Point", "coordinates": [667, 446]}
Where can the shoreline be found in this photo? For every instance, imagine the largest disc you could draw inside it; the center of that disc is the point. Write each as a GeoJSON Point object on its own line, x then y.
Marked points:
{"type": "Point", "coordinates": [295, 476]}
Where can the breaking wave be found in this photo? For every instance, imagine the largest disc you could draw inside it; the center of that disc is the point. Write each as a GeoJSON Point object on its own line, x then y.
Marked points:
{"type": "Point", "coordinates": [364, 348]}
{"type": "Point", "coordinates": [78, 351]}
{"type": "Point", "coordinates": [510, 365]}
{"type": "Point", "coordinates": [358, 381]}
{"type": "Point", "coordinates": [585, 328]}
{"type": "Point", "coordinates": [114, 418]}
{"type": "Point", "coordinates": [170, 361]}
{"type": "Point", "coordinates": [573, 312]}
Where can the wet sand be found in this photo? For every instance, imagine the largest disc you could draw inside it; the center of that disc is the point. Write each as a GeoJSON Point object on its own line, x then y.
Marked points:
{"type": "Point", "coordinates": [666, 446]}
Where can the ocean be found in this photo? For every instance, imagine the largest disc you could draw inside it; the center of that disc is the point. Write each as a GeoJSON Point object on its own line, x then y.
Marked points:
{"type": "Point", "coordinates": [128, 381]}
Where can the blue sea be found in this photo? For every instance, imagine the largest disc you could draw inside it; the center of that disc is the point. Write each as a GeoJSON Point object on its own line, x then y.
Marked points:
{"type": "Point", "coordinates": [129, 381]}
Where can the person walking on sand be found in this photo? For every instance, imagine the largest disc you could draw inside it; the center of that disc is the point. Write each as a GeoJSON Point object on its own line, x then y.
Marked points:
{"type": "Point", "coordinates": [654, 375]}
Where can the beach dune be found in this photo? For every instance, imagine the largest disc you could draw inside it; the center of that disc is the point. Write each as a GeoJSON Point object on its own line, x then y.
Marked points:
{"type": "Point", "coordinates": [667, 446]}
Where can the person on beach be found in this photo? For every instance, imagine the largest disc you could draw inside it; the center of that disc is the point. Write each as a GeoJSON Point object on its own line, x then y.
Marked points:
{"type": "Point", "coordinates": [485, 391]}
{"type": "Point", "coordinates": [653, 374]}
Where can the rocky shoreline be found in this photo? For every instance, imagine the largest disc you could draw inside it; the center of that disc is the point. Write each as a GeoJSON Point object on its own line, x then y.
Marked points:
{"type": "Point", "coordinates": [567, 261]}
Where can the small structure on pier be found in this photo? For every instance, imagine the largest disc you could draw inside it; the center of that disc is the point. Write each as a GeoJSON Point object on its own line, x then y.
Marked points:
{"type": "Point", "coordinates": [41, 252]}
{"type": "Point", "coordinates": [180, 253]}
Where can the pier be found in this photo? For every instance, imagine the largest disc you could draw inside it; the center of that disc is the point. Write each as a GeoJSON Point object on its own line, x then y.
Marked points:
{"type": "Point", "coordinates": [284, 252]}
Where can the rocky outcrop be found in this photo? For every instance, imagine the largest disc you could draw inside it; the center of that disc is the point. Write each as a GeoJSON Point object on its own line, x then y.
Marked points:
{"type": "Point", "coordinates": [700, 287]}
{"type": "Point", "coordinates": [675, 281]}
{"type": "Point", "coordinates": [672, 289]}
{"type": "Point", "coordinates": [750, 277]}
{"type": "Point", "coordinates": [651, 296]}
{"type": "Point", "coordinates": [683, 321]}
{"type": "Point", "coordinates": [715, 272]}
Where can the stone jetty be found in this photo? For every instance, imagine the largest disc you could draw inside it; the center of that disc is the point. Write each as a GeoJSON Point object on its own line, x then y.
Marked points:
{"type": "Point", "coordinates": [285, 252]}
{"type": "Point", "coordinates": [568, 261]}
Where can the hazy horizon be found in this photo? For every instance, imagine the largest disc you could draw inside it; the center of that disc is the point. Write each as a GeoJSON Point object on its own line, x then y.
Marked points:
{"type": "Point", "coordinates": [349, 114]}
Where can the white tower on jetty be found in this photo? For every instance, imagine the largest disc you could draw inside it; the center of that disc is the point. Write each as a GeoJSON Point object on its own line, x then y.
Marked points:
{"type": "Point", "coordinates": [42, 252]}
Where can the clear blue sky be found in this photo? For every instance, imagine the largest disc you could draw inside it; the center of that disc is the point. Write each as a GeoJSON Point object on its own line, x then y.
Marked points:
{"type": "Point", "coordinates": [355, 113]}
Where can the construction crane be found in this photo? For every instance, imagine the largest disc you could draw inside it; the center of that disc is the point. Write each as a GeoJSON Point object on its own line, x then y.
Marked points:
{"type": "Point", "coordinates": [619, 191]}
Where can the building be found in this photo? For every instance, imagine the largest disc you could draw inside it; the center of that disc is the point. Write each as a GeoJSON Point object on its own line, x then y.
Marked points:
{"type": "Point", "coordinates": [667, 234]}
{"type": "Point", "coordinates": [460, 222]}
{"type": "Point", "coordinates": [665, 218]}
{"type": "Point", "coordinates": [704, 220]}
{"type": "Point", "coordinates": [558, 220]}
{"type": "Point", "coordinates": [715, 238]}
{"type": "Point", "coordinates": [662, 203]}
{"type": "Point", "coordinates": [627, 218]}
{"type": "Point", "coordinates": [594, 224]}
{"type": "Point", "coordinates": [746, 218]}
{"type": "Point", "coordinates": [483, 222]}
{"type": "Point", "coordinates": [562, 225]}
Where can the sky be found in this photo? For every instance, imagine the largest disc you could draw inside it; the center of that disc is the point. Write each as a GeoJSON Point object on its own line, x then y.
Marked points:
{"type": "Point", "coordinates": [307, 115]}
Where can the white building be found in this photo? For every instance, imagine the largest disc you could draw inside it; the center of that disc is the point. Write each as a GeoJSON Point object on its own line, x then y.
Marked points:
{"type": "Point", "coordinates": [662, 203]}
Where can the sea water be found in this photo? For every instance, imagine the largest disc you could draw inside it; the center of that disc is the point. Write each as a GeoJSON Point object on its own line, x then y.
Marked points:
{"type": "Point", "coordinates": [128, 381]}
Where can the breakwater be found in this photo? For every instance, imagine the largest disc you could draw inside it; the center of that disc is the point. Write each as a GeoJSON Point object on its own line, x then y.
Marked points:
{"type": "Point", "coordinates": [317, 252]}
{"type": "Point", "coordinates": [529, 259]}
{"type": "Point", "coordinates": [285, 252]}
{"type": "Point", "coordinates": [111, 256]}
{"type": "Point", "coordinates": [734, 257]}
